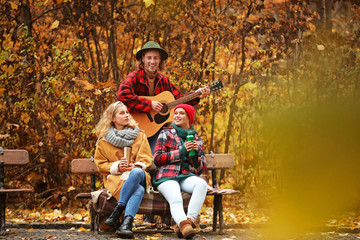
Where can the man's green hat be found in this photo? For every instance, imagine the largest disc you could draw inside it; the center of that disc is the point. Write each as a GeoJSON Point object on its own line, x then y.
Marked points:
{"type": "Point", "coordinates": [152, 45]}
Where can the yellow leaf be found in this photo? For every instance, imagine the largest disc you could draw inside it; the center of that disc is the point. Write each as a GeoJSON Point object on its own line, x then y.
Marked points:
{"type": "Point", "coordinates": [311, 26]}
{"type": "Point", "coordinates": [55, 24]}
{"type": "Point", "coordinates": [8, 69]}
{"type": "Point", "coordinates": [81, 229]}
{"type": "Point", "coordinates": [34, 215]}
{"type": "Point", "coordinates": [71, 189]}
{"type": "Point", "coordinates": [2, 90]}
{"type": "Point", "coordinates": [320, 47]}
{"type": "Point", "coordinates": [13, 5]}
{"type": "Point", "coordinates": [78, 217]}
{"type": "Point", "coordinates": [151, 238]}
{"type": "Point", "coordinates": [31, 230]}
{"type": "Point", "coordinates": [98, 184]}
{"type": "Point", "coordinates": [158, 235]}
{"type": "Point", "coordinates": [148, 3]}
{"type": "Point", "coordinates": [59, 136]}
{"type": "Point", "coordinates": [87, 85]}
{"type": "Point", "coordinates": [25, 117]}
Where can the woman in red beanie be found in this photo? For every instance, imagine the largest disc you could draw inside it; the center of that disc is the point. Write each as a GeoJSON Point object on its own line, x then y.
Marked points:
{"type": "Point", "coordinates": [179, 163]}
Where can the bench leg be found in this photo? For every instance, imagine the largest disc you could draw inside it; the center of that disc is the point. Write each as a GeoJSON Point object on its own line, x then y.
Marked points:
{"type": "Point", "coordinates": [221, 219]}
{"type": "Point", "coordinates": [218, 210]}
{"type": "Point", "coordinates": [2, 214]}
{"type": "Point", "coordinates": [94, 225]}
{"type": "Point", "coordinates": [215, 213]}
{"type": "Point", "coordinates": [92, 220]}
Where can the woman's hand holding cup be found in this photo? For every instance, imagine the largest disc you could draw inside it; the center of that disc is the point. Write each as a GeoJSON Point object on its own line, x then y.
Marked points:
{"type": "Point", "coordinates": [123, 165]}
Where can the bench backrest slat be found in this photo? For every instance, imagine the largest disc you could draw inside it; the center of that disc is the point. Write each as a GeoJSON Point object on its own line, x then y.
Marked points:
{"type": "Point", "coordinates": [14, 157]}
{"type": "Point", "coordinates": [83, 165]}
{"type": "Point", "coordinates": [216, 161]}
{"type": "Point", "coordinates": [219, 161]}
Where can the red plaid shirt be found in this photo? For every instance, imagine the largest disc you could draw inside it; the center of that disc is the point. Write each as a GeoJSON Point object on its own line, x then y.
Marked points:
{"type": "Point", "coordinates": [136, 85]}
{"type": "Point", "coordinates": [167, 155]}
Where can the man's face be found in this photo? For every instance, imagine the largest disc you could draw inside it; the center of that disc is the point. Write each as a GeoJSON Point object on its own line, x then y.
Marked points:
{"type": "Point", "coordinates": [151, 60]}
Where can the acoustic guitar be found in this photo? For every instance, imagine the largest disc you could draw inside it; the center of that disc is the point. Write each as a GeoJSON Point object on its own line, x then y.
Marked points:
{"type": "Point", "coordinates": [152, 121]}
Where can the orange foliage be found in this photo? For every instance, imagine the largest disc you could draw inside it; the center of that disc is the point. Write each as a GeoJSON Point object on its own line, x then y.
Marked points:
{"type": "Point", "coordinates": [62, 61]}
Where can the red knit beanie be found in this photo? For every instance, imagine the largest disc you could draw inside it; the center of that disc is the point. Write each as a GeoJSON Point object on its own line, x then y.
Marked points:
{"type": "Point", "coordinates": [189, 110]}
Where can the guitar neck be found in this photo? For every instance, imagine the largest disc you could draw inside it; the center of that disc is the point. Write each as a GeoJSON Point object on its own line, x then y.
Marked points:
{"type": "Point", "coordinates": [185, 99]}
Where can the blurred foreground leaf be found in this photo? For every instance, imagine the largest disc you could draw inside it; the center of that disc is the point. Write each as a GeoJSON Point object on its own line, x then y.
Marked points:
{"type": "Point", "coordinates": [318, 149]}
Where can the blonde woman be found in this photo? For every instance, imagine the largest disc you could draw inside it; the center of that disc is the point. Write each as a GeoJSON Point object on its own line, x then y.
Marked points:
{"type": "Point", "coordinates": [127, 183]}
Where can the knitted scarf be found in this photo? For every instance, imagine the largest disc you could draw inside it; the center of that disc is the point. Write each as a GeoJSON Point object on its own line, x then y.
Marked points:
{"type": "Point", "coordinates": [185, 155]}
{"type": "Point", "coordinates": [121, 138]}
{"type": "Point", "coordinates": [183, 132]}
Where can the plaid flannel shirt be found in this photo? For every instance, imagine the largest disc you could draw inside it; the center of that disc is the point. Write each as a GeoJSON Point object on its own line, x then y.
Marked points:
{"type": "Point", "coordinates": [135, 86]}
{"type": "Point", "coordinates": [167, 155]}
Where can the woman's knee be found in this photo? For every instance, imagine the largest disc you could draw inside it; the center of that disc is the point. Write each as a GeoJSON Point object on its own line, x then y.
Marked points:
{"type": "Point", "coordinates": [201, 184]}
{"type": "Point", "coordinates": [141, 190]}
{"type": "Point", "coordinates": [137, 171]}
{"type": "Point", "coordinates": [176, 201]}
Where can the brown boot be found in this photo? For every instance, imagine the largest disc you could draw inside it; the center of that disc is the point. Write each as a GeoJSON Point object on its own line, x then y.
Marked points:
{"type": "Point", "coordinates": [177, 231]}
{"type": "Point", "coordinates": [186, 229]}
{"type": "Point", "coordinates": [192, 221]}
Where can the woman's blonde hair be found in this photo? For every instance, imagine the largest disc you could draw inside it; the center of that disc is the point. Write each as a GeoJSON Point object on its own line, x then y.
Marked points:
{"type": "Point", "coordinates": [106, 122]}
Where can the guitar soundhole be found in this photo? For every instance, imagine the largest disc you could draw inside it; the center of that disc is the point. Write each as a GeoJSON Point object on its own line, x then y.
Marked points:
{"type": "Point", "coordinates": [164, 108]}
{"type": "Point", "coordinates": [161, 118]}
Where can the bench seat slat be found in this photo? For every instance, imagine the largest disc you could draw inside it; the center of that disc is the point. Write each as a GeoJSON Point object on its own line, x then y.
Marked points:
{"type": "Point", "coordinates": [15, 190]}
{"type": "Point", "coordinates": [219, 191]}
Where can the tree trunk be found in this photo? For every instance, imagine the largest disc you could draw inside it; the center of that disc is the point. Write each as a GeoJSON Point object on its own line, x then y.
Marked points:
{"type": "Point", "coordinates": [26, 15]}
{"type": "Point", "coordinates": [324, 10]}
{"type": "Point", "coordinates": [112, 46]}
{"type": "Point", "coordinates": [212, 146]}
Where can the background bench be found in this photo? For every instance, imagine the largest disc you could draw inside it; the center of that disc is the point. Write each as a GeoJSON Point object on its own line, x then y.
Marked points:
{"type": "Point", "coordinates": [215, 162]}
{"type": "Point", "coordinates": [9, 158]}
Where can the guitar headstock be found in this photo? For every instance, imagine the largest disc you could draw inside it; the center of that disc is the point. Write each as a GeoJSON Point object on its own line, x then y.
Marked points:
{"type": "Point", "coordinates": [217, 85]}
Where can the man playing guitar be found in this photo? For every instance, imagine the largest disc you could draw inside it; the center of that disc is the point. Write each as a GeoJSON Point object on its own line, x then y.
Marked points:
{"type": "Point", "coordinates": [148, 81]}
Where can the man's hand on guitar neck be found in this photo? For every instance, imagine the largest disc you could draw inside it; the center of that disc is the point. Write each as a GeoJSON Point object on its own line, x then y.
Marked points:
{"type": "Point", "coordinates": [156, 106]}
{"type": "Point", "coordinates": [204, 91]}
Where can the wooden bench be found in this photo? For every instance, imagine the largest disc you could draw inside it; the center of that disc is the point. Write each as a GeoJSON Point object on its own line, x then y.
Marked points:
{"type": "Point", "coordinates": [9, 158]}
{"type": "Point", "coordinates": [215, 162]}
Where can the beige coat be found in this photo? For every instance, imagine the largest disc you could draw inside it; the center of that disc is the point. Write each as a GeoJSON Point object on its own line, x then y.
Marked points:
{"type": "Point", "coordinates": [107, 159]}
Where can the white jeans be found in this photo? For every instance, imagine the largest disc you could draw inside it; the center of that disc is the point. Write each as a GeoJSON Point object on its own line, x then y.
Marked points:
{"type": "Point", "coordinates": [171, 190]}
